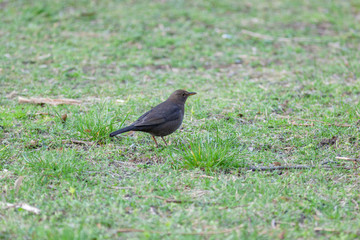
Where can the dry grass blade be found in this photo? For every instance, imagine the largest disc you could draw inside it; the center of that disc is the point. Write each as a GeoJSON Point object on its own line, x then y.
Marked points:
{"type": "Point", "coordinates": [18, 183]}
{"type": "Point", "coordinates": [312, 120]}
{"type": "Point", "coordinates": [214, 232]}
{"type": "Point", "coordinates": [206, 176]}
{"type": "Point", "coordinates": [279, 39]}
{"type": "Point", "coordinates": [127, 230]}
{"type": "Point", "coordinates": [120, 188]}
{"type": "Point", "coordinates": [229, 230]}
{"type": "Point", "coordinates": [168, 200]}
{"type": "Point", "coordinates": [49, 101]}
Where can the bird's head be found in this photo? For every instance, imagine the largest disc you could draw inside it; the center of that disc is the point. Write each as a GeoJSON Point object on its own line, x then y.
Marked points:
{"type": "Point", "coordinates": [180, 96]}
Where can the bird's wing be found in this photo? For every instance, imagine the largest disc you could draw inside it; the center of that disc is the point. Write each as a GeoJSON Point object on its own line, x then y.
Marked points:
{"type": "Point", "coordinates": [158, 115]}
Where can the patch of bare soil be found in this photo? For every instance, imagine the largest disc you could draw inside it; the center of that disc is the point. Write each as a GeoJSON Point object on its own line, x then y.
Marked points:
{"type": "Point", "coordinates": [326, 142]}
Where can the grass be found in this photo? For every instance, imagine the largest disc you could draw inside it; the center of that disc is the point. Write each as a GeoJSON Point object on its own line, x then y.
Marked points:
{"type": "Point", "coordinates": [208, 153]}
{"type": "Point", "coordinates": [261, 101]}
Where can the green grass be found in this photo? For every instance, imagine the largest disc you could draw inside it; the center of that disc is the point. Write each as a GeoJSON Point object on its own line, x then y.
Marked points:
{"type": "Point", "coordinates": [208, 153]}
{"type": "Point", "coordinates": [256, 105]}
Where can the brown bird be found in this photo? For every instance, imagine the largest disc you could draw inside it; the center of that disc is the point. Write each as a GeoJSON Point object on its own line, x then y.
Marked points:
{"type": "Point", "coordinates": [163, 119]}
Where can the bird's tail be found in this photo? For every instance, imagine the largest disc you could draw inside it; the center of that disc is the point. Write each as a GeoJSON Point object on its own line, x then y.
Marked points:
{"type": "Point", "coordinates": [125, 129]}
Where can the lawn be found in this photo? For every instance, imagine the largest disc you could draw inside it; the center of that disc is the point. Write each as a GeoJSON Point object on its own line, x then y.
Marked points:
{"type": "Point", "coordinates": [277, 83]}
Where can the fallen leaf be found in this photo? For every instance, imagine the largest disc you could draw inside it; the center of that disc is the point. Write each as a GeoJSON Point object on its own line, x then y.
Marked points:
{"type": "Point", "coordinates": [277, 163]}
{"type": "Point", "coordinates": [64, 117]}
{"type": "Point", "coordinates": [285, 198]}
{"type": "Point", "coordinates": [281, 235]}
{"type": "Point", "coordinates": [88, 14]}
{"type": "Point", "coordinates": [72, 190]}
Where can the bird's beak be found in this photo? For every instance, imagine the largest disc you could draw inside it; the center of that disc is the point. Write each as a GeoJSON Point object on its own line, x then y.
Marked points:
{"type": "Point", "coordinates": [191, 93]}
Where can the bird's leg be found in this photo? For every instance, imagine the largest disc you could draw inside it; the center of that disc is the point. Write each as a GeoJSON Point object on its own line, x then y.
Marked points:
{"type": "Point", "coordinates": [155, 141]}
{"type": "Point", "coordinates": [164, 140]}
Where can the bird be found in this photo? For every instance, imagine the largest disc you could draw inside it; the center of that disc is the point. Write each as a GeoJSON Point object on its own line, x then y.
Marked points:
{"type": "Point", "coordinates": [161, 120]}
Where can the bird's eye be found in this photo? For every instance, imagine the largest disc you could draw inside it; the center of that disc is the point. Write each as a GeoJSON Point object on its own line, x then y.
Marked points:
{"type": "Point", "coordinates": [184, 94]}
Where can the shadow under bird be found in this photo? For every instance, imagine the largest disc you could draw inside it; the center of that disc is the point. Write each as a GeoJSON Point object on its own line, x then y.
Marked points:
{"type": "Point", "coordinates": [163, 119]}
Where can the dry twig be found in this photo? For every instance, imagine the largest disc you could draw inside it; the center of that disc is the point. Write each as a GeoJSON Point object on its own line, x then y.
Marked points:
{"type": "Point", "coordinates": [44, 114]}
{"type": "Point", "coordinates": [24, 206]}
{"type": "Point", "coordinates": [320, 229]}
{"type": "Point", "coordinates": [348, 159]}
{"type": "Point", "coordinates": [49, 101]}
{"type": "Point", "coordinates": [80, 142]}
{"type": "Point", "coordinates": [274, 168]}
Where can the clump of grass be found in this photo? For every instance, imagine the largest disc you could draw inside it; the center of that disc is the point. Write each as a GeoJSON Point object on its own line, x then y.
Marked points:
{"type": "Point", "coordinates": [209, 154]}
{"type": "Point", "coordinates": [97, 123]}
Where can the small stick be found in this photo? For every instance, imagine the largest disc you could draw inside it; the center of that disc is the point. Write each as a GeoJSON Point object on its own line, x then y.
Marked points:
{"type": "Point", "coordinates": [348, 159]}
{"type": "Point", "coordinates": [279, 168]}
{"type": "Point", "coordinates": [49, 101]}
{"type": "Point", "coordinates": [80, 142]}
{"type": "Point", "coordinates": [274, 168]}
{"type": "Point", "coordinates": [319, 229]}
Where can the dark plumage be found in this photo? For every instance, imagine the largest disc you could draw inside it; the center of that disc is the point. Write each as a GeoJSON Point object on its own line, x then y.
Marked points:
{"type": "Point", "coordinates": [163, 119]}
